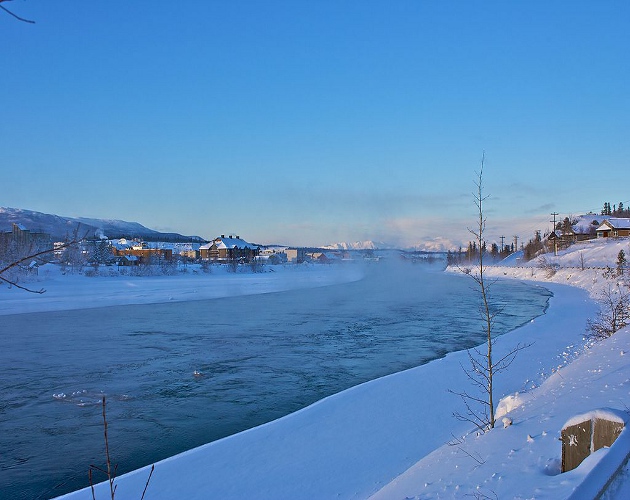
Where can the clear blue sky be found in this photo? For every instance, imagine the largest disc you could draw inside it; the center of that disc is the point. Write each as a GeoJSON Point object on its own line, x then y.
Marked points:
{"type": "Point", "coordinates": [314, 122]}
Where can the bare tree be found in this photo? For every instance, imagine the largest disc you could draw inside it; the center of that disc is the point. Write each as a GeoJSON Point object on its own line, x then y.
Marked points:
{"type": "Point", "coordinates": [13, 14]}
{"type": "Point", "coordinates": [614, 313]}
{"type": "Point", "coordinates": [30, 257]}
{"type": "Point", "coordinates": [33, 252]}
{"type": "Point", "coordinates": [110, 469]}
{"type": "Point", "coordinates": [549, 268]}
{"type": "Point", "coordinates": [483, 365]}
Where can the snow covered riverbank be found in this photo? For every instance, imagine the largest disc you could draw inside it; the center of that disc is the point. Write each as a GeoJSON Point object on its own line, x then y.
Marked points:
{"type": "Point", "coordinates": [359, 443]}
{"type": "Point", "coordinates": [77, 291]}
{"type": "Point", "coordinates": [351, 444]}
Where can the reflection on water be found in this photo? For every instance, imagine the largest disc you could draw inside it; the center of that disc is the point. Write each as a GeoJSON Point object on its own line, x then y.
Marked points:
{"type": "Point", "coordinates": [179, 375]}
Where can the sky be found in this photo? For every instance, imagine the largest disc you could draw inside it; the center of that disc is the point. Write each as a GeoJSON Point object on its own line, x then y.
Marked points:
{"type": "Point", "coordinates": [317, 122]}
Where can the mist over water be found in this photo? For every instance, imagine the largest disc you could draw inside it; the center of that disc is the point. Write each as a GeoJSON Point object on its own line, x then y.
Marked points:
{"type": "Point", "coordinates": [179, 375]}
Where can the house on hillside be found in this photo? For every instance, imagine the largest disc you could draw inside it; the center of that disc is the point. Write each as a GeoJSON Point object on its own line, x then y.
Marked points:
{"type": "Point", "coordinates": [567, 236]}
{"type": "Point", "coordinates": [229, 249]}
{"type": "Point", "coordinates": [614, 227]}
{"type": "Point", "coordinates": [567, 233]}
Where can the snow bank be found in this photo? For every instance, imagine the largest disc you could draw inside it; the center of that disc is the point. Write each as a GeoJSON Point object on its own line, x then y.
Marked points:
{"type": "Point", "coordinates": [523, 460]}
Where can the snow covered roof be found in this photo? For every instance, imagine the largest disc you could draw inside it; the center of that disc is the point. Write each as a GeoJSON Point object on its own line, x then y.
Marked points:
{"type": "Point", "coordinates": [232, 242]}
{"type": "Point", "coordinates": [615, 223]}
{"type": "Point", "coordinates": [619, 222]}
{"type": "Point", "coordinates": [130, 258]}
{"type": "Point", "coordinates": [120, 244]}
{"type": "Point", "coordinates": [611, 414]}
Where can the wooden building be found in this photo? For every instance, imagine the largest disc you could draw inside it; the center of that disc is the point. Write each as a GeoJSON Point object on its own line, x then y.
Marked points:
{"type": "Point", "coordinates": [614, 227]}
{"type": "Point", "coordinates": [229, 249]}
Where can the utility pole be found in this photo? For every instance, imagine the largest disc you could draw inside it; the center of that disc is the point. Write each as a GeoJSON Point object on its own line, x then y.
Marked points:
{"type": "Point", "coordinates": [555, 239]}
{"type": "Point", "coordinates": [516, 243]}
{"type": "Point", "coordinates": [502, 239]}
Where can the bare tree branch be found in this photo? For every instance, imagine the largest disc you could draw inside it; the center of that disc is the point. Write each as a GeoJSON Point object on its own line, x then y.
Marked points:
{"type": "Point", "coordinates": [15, 15]}
{"type": "Point", "coordinates": [147, 483]}
{"type": "Point", "coordinates": [110, 470]}
{"type": "Point", "coordinates": [30, 257]}
{"type": "Point", "coordinates": [14, 283]}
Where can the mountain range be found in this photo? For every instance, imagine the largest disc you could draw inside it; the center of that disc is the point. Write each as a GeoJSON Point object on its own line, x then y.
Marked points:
{"type": "Point", "coordinates": [358, 245]}
{"type": "Point", "coordinates": [61, 228]}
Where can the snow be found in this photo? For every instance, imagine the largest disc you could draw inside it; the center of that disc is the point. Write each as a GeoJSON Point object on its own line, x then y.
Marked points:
{"type": "Point", "coordinates": [395, 437]}
{"type": "Point", "coordinates": [77, 291]}
{"type": "Point", "coordinates": [229, 242]}
{"type": "Point", "coordinates": [603, 413]}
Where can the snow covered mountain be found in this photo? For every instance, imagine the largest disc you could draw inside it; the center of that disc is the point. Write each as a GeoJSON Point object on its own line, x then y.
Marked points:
{"type": "Point", "coordinates": [359, 245]}
{"type": "Point", "coordinates": [62, 227]}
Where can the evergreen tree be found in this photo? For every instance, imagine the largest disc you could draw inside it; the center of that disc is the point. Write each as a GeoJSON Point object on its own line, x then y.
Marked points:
{"type": "Point", "coordinates": [449, 258]}
{"type": "Point", "coordinates": [533, 246]}
{"type": "Point", "coordinates": [621, 261]}
{"type": "Point", "coordinates": [566, 225]}
{"type": "Point", "coordinates": [494, 250]}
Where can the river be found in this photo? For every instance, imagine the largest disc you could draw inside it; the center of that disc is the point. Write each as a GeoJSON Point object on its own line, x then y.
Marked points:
{"type": "Point", "coordinates": [179, 375]}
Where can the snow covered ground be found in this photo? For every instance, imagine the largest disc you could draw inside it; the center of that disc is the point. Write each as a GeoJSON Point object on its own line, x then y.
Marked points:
{"type": "Point", "coordinates": [395, 437]}
{"type": "Point", "coordinates": [78, 291]}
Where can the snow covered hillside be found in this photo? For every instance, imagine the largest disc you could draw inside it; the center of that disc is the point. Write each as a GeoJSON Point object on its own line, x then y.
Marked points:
{"type": "Point", "coordinates": [63, 227]}
{"type": "Point", "coordinates": [580, 265]}
{"type": "Point", "coordinates": [395, 437]}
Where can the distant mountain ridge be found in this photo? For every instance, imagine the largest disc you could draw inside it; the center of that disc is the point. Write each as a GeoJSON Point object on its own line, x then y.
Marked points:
{"type": "Point", "coordinates": [359, 245]}
{"type": "Point", "coordinates": [61, 228]}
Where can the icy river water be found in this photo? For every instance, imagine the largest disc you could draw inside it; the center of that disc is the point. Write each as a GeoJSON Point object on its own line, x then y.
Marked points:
{"type": "Point", "coordinates": [179, 375]}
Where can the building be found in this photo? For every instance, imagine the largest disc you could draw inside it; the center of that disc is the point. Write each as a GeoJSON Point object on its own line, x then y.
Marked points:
{"type": "Point", "coordinates": [297, 255]}
{"type": "Point", "coordinates": [230, 249]}
{"type": "Point", "coordinates": [143, 253]}
{"type": "Point", "coordinates": [273, 255]}
{"type": "Point", "coordinates": [20, 242]}
{"type": "Point", "coordinates": [614, 227]}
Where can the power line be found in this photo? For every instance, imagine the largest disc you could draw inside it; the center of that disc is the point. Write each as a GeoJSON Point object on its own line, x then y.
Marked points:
{"type": "Point", "coordinates": [555, 240]}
